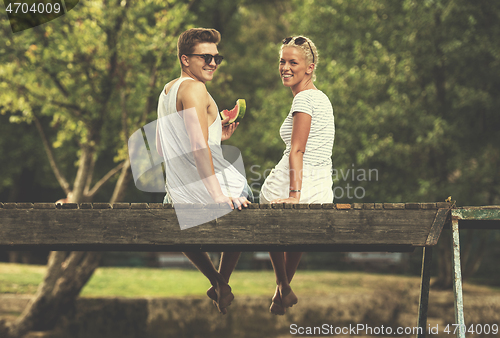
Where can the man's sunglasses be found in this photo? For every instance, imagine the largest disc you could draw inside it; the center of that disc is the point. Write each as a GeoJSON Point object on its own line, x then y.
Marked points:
{"type": "Point", "coordinates": [208, 58]}
{"type": "Point", "coordinates": [298, 41]}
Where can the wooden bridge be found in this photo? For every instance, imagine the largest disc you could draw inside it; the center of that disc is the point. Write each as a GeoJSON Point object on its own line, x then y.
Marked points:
{"type": "Point", "coordinates": [395, 227]}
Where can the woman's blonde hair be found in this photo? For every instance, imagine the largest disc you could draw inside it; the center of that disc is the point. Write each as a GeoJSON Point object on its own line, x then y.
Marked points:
{"type": "Point", "coordinates": [307, 46]}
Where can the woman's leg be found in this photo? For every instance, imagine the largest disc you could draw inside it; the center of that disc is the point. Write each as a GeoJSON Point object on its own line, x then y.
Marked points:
{"type": "Point", "coordinates": [284, 296]}
{"type": "Point", "coordinates": [292, 260]}
{"type": "Point", "coordinates": [278, 261]}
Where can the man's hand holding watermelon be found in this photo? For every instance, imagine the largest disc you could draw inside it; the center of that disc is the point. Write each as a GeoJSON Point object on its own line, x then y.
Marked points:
{"type": "Point", "coordinates": [228, 129]}
{"type": "Point", "coordinates": [230, 118]}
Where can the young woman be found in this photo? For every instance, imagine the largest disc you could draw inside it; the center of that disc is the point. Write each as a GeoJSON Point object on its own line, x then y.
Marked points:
{"type": "Point", "coordinates": [304, 173]}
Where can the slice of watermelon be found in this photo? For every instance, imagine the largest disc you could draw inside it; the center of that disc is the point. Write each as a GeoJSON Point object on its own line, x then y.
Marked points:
{"type": "Point", "coordinates": [235, 114]}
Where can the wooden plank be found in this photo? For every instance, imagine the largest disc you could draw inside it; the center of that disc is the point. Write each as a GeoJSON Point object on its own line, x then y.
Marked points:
{"type": "Point", "coordinates": [101, 206]}
{"type": "Point", "coordinates": [394, 206]}
{"type": "Point", "coordinates": [428, 206]}
{"type": "Point", "coordinates": [301, 206]}
{"type": "Point", "coordinates": [24, 205]}
{"type": "Point", "coordinates": [412, 205]}
{"type": "Point", "coordinates": [442, 216]}
{"type": "Point", "coordinates": [156, 205]}
{"type": "Point", "coordinates": [44, 205]}
{"type": "Point", "coordinates": [138, 205]}
{"type": "Point", "coordinates": [67, 205]}
{"type": "Point", "coordinates": [341, 206]}
{"type": "Point", "coordinates": [152, 229]}
{"type": "Point", "coordinates": [120, 205]}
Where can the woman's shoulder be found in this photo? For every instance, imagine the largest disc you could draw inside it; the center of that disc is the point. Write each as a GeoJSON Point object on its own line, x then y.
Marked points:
{"type": "Point", "coordinates": [311, 93]}
{"type": "Point", "coordinates": [305, 95]}
{"type": "Point", "coordinates": [313, 97]}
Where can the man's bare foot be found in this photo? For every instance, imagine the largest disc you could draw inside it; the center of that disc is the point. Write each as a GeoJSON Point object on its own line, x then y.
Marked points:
{"type": "Point", "coordinates": [288, 298]}
{"type": "Point", "coordinates": [276, 306]}
{"type": "Point", "coordinates": [211, 293]}
{"type": "Point", "coordinates": [224, 297]}
{"type": "Point", "coordinates": [213, 296]}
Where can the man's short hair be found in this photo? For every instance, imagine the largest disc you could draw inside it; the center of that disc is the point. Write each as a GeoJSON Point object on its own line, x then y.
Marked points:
{"type": "Point", "coordinates": [190, 38]}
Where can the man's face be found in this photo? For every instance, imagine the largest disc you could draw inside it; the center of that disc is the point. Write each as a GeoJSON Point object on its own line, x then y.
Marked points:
{"type": "Point", "coordinates": [198, 67]}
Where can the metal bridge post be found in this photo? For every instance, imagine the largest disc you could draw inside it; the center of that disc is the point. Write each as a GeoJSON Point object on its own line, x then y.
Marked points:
{"type": "Point", "coordinates": [457, 279]}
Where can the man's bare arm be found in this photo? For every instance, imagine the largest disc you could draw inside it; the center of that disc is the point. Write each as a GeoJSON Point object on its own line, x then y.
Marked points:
{"type": "Point", "coordinates": [195, 101]}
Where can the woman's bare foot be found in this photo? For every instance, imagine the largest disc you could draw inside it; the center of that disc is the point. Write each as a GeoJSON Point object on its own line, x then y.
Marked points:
{"type": "Point", "coordinates": [276, 306]}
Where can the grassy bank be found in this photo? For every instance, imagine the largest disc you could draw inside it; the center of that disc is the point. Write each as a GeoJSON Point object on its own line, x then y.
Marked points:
{"type": "Point", "coordinates": [148, 282]}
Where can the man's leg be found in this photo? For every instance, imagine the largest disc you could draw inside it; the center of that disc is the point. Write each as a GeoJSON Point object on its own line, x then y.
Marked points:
{"type": "Point", "coordinates": [227, 265]}
{"type": "Point", "coordinates": [223, 292]}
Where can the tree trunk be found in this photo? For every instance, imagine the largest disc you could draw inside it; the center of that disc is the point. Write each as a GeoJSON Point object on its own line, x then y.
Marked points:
{"type": "Point", "coordinates": [67, 273]}
{"type": "Point", "coordinates": [122, 183]}
{"type": "Point", "coordinates": [66, 276]}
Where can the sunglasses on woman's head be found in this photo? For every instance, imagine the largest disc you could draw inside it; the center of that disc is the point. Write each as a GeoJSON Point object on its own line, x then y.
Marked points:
{"type": "Point", "coordinates": [298, 41]}
{"type": "Point", "coordinates": [208, 58]}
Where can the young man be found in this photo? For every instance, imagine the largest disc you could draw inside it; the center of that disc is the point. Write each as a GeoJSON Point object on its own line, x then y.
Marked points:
{"type": "Point", "coordinates": [189, 133]}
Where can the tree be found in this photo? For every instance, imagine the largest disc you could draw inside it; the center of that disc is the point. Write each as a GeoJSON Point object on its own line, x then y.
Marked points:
{"type": "Point", "coordinates": [93, 74]}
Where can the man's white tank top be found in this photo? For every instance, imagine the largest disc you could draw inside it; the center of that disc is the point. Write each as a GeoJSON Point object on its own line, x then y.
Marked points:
{"type": "Point", "coordinates": [183, 182]}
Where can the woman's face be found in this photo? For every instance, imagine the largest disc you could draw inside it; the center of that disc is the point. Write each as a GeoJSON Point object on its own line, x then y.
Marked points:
{"type": "Point", "coordinates": [293, 66]}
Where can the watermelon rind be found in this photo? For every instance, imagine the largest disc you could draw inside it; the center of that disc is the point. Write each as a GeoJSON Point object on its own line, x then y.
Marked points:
{"type": "Point", "coordinates": [237, 112]}
{"type": "Point", "coordinates": [242, 104]}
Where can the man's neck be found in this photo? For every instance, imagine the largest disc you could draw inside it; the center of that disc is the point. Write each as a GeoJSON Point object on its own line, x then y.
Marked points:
{"type": "Point", "coordinates": [186, 73]}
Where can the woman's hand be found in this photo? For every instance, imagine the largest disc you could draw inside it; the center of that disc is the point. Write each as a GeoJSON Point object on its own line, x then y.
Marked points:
{"type": "Point", "coordinates": [228, 130]}
{"type": "Point", "coordinates": [291, 200]}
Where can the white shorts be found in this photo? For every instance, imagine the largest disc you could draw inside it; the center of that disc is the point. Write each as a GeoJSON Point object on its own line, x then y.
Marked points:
{"type": "Point", "coordinates": [316, 184]}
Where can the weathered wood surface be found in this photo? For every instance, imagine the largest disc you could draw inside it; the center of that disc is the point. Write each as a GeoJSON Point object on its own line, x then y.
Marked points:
{"type": "Point", "coordinates": [154, 227]}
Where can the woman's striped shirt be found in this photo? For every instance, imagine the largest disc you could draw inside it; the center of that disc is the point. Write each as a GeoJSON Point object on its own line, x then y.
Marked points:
{"type": "Point", "coordinates": [322, 133]}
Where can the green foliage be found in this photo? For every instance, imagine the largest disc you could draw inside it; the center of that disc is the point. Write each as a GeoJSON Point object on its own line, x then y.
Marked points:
{"type": "Point", "coordinates": [410, 99]}
{"type": "Point", "coordinates": [93, 74]}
